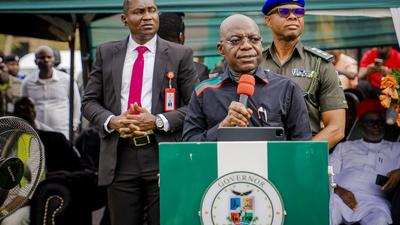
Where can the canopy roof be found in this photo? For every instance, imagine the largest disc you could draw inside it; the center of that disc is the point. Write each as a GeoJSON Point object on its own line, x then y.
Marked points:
{"type": "Point", "coordinates": [51, 19]}
{"type": "Point", "coordinates": [114, 6]}
{"type": "Point", "coordinates": [325, 32]}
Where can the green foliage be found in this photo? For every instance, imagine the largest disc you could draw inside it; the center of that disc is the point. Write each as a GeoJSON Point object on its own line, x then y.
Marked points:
{"type": "Point", "coordinates": [396, 75]}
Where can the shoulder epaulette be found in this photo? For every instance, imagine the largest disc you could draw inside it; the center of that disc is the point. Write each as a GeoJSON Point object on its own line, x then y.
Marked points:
{"type": "Point", "coordinates": [215, 82]}
{"type": "Point", "coordinates": [320, 53]}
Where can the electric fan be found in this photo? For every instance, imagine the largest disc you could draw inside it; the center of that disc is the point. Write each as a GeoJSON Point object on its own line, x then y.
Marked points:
{"type": "Point", "coordinates": [22, 163]}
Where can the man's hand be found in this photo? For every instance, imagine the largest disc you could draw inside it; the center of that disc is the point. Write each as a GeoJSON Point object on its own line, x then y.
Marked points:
{"type": "Point", "coordinates": [125, 125]}
{"type": "Point", "coordinates": [238, 115]}
{"type": "Point", "coordinates": [394, 179]}
{"type": "Point", "coordinates": [144, 120]}
{"type": "Point", "coordinates": [347, 197]}
{"type": "Point", "coordinates": [372, 68]}
{"type": "Point", "coordinates": [135, 122]}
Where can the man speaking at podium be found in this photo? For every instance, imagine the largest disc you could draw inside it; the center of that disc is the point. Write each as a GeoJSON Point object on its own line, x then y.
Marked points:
{"type": "Point", "coordinates": [277, 101]}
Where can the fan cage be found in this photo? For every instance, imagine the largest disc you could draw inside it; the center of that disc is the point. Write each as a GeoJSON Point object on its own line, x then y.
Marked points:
{"type": "Point", "coordinates": [17, 134]}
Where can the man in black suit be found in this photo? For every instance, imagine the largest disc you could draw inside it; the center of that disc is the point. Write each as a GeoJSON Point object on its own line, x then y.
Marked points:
{"type": "Point", "coordinates": [172, 28]}
{"type": "Point", "coordinates": [130, 126]}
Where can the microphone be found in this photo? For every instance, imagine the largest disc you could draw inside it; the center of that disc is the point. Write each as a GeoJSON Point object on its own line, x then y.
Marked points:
{"type": "Point", "coordinates": [245, 88]}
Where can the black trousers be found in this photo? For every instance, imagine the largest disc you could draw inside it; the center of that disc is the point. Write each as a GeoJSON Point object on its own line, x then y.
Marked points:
{"type": "Point", "coordinates": [135, 186]}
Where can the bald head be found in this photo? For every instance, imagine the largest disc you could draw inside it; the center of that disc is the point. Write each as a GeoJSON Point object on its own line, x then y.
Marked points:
{"type": "Point", "coordinates": [240, 43]}
{"type": "Point", "coordinates": [44, 59]}
{"type": "Point", "coordinates": [236, 21]}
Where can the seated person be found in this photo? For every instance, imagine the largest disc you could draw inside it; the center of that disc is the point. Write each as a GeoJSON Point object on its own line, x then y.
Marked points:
{"type": "Point", "coordinates": [4, 85]}
{"type": "Point", "coordinates": [59, 155]}
{"type": "Point", "coordinates": [67, 178]}
{"type": "Point", "coordinates": [59, 152]}
{"type": "Point", "coordinates": [356, 164]}
{"type": "Point", "coordinates": [215, 103]}
{"type": "Point", "coordinates": [15, 78]}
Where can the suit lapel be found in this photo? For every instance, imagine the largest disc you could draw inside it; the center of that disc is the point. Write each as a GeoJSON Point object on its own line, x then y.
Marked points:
{"type": "Point", "coordinates": [159, 75]}
{"type": "Point", "coordinates": [119, 52]}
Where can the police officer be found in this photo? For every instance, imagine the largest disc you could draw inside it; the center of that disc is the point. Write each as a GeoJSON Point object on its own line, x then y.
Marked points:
{"type": "Point", "coordinates": [4, 85]}
{"type": "Point", "coordinates": [15, 80]}
{"type": "Point", "coordinates": [214, 102]}
{"type": "Point", "coordinates": [309, 67]}
{"type": "Point", "coordinates": [12, 63]}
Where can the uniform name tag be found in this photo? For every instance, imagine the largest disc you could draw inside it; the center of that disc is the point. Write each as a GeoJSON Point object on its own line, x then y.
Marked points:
{"type": "Point", "coordinates": [170, 94]}
{"type": "Point", "coordinates": [301, 73]}
{"type": "Point", "coordinates": [169, 100]}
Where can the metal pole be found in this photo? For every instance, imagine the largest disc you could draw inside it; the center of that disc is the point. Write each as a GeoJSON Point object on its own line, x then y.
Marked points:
{"type": "Point", "coordinates": [71, 40]}
{"type": "Point", "coordinates": [85, 50]}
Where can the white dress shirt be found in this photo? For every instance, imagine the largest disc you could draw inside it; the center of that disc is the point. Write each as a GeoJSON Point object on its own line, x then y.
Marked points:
{"type": "Point", "coordinates": [147, 85]}
{"type": "Point", "coordinates": [51, 100]}
{"type": "Point", "coordinates": [356, 165]}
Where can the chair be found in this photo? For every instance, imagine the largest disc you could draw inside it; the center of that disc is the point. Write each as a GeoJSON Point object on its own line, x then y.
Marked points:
{"type": "Point", "coordinates": [396, 206]}
{"type": "Point", "coordinates": [66, 198]}
{"type": "Point", "coordinates": [353, 97]}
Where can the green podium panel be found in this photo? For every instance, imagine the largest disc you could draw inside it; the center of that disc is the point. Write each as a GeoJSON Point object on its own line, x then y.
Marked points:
{"type": "Point", "coordinates": [298, 170]}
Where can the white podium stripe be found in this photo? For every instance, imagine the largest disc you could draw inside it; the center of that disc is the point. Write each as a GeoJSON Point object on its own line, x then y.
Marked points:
{"type": "Point", "coordinates": [243, 156]}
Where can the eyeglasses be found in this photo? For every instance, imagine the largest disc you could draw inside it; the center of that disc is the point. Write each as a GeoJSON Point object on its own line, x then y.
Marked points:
{"type": "Point", "coordinates": [239, 40]}
{"type": "Point", "coordinates": [285, 12]}
{"type": "Point", "coordinates": [371, 123]}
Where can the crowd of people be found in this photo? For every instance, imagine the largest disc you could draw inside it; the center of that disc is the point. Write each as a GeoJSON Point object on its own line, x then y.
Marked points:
{"type": "Point", "coordinates": [146, 89]}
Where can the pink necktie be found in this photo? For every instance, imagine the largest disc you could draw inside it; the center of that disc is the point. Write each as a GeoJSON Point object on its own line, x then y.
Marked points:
{"type": "Point", "coordinates": [135, 90]}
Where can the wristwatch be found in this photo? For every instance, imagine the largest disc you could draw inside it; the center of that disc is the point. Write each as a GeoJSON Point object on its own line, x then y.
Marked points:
{"type": "Point", "coordinates": [159, 123]}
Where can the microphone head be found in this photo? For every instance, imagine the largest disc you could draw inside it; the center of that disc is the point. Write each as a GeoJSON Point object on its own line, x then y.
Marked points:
{"type": "Point", "coordinates": [246, 85]}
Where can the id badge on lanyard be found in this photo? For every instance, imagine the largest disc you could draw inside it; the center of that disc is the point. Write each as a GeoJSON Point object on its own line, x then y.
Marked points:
{"type": "Point", "coordinates": [170, 95]}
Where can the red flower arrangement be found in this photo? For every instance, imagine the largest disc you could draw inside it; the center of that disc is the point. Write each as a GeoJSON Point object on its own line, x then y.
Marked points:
{"type": "Point", "coordinates": [389, 97]}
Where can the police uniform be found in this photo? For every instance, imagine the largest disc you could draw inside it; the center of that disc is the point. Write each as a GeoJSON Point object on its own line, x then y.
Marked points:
{"type": "Point", "coordinates": [279, 97]}
{"type": "Point", "coordinates": [13, 90]}
{"type": "Point", "coordinates": [313, 71]}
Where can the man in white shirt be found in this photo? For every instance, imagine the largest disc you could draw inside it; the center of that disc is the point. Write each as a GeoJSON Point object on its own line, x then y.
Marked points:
{"type": "Point", "coordinates": [360, 169]}
{"type": "Point", "coordinates": [49, 90]}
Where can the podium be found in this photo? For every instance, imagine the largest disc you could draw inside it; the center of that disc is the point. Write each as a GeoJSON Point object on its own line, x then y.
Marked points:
{"type": "Point", "coordinates": [297, 170]}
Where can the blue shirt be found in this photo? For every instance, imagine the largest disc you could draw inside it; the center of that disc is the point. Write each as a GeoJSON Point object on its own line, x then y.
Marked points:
{"type": "Point", "coordinates": [280, 97]}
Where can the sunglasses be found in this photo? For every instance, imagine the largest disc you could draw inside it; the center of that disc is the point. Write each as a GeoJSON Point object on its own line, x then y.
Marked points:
{"type": "Point", "coordinates": [372, 123]}
{"type": "Point", "coordinates": [285, 12]}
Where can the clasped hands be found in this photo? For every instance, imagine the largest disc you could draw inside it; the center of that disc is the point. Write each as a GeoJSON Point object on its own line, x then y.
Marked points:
{"type": "Point", "coordinates": [372, 68]}
{"type": "Point", "coordinates": [134, 122]}
{"type": "Point", "coordinates": [238, 115]}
